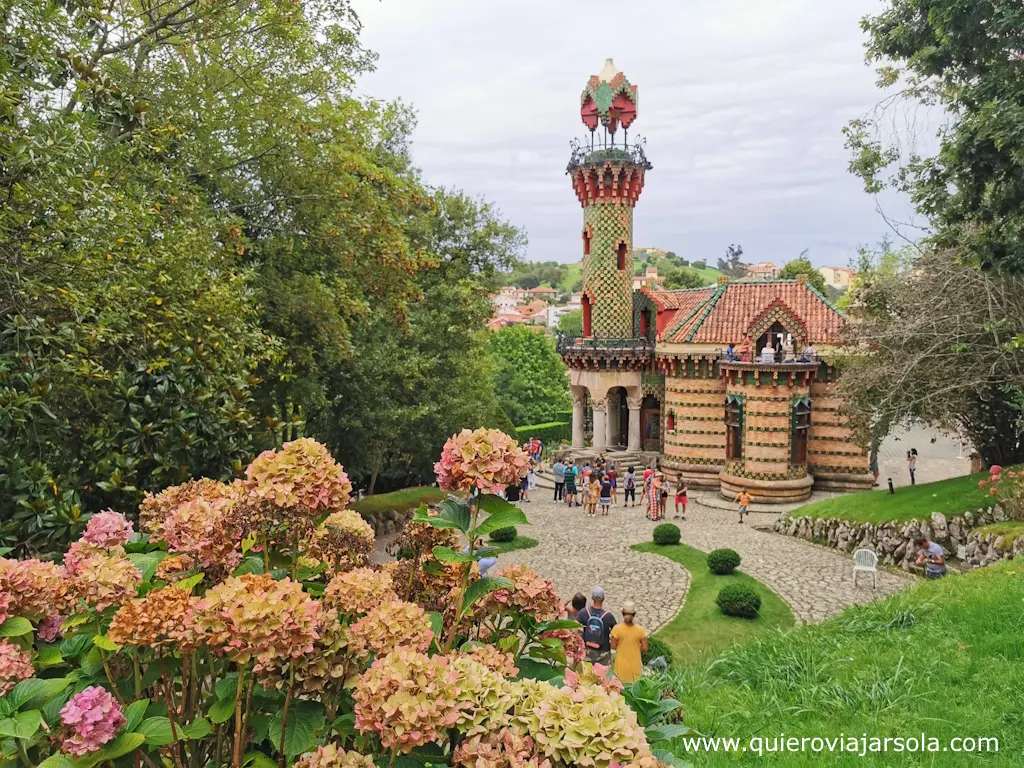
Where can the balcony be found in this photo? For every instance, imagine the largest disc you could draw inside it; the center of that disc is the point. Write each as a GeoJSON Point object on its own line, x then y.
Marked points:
{"type": "Point", "coordinates": [599, 351]}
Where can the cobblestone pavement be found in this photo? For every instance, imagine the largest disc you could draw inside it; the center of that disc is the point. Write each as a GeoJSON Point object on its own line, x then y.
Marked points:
{"type": "Point", "coordinates": [577, 552]}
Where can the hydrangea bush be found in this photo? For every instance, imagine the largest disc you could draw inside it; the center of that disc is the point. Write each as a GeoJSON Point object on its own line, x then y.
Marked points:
{"type": "Point", "coordinates": [243, 625]}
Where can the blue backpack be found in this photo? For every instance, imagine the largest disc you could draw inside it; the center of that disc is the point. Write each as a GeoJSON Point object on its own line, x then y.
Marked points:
{"type": "Point", "coordinates": [593, 629]}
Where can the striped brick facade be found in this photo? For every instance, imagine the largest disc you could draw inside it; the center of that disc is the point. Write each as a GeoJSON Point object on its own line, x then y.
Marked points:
{"type": "Point", "coordinates": [834, 457]}
{"type": "Point", "coordinates": [696, 447]}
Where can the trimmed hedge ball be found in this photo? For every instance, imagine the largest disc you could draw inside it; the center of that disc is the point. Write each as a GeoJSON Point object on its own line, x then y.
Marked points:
{"type": "Point", "coordinates": [739, 600]}
{"type": "Point", "coordinates": [656, 648]}
{"type": "Point", "coordinates": [504, 534]}
{"type": "Point", "coordinates": [723, 561]}
{"type": "Point", "coordinates": [666, 533]}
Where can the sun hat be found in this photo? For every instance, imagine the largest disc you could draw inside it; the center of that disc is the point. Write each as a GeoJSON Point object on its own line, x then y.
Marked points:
{"type": "Point", "coordinates": [629, 607]}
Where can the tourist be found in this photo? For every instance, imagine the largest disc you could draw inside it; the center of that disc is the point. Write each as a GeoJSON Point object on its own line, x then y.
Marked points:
{"type": "Point", "coordinates": [629, 483]}
{"type": "Point", "coordinates": [570, 484]}
{"type": "Point", "coordinates": [606, 494]}
{"type": "Point", "coordinates": [730, 354]}
{"type": "Point", "coordinates": [808, 355]}
{"type": "Point", "coordinates": [653, 492]}
{"type": "Point", "coordinates": [513, 493]}
{"type": "Point", "coordinates": [558, 472]}
{"type": "Point", "coordinates": [932, 557]}
{"type": "Point", "coordinates": [573, 607]}
{"type": "Point", "coordinates": [485, 563]}
{"type": "Point", "coordinates": [745, 348]}
{"type": "Point", "coordinates": [663, 496]}
{"type": "Point", "coordinates": [873, 465]}
{"type": "Point", "coordinates": [524, 487]}
{"type": "Point", "coordinates": [629, 641]}
{"type": "Point", "coordinates": [646, 491]}
{"type": "Point", "coordinates": [613, 477]}
{"type": "Point", "coordinates": [597, 629]}
{"type": "Point", "coordinates": [586, 471]}
{"type": "Point", "coordinates": [744, 501]}
{"type": "Point", "coordinates": [681, 498]}
{"type": "Point", "coordinates": [536, 450]}
{"type": "Point", "coordinates": [788, 350]}
{"type": "Point", "coordinates": [778, 349]}
{"type": "Point", "coordinates": [912, 465]}
{"type": "Point", "coordinates": [593, 494]}
{"type": "Point", "coordinates": [531, 475]}
{"type": "Point", "coordinates": [767, 353]}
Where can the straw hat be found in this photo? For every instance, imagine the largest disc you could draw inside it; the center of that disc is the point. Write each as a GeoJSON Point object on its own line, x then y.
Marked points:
{"type": "Point", "coordinates": [629, 607]}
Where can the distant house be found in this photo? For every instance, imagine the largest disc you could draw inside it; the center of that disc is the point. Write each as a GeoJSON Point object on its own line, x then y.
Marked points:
{"type": "Point", "coordinates": [553, 314]}
{"type": "Point", "coordinates": [649, 279]}
{"type": "Point", "coordinates": [763, 270]}
{"type": "Point", "coordinates": [532, 310]}
{"type": "Point", "coordinates": [838, 277]}
{"type": "Point", "coordinates": [542, 292]}
{"type": "Point", "coordinates": [505, 303]}
{"type": "Point", "coordinates": [496, 323]}
{"type": "Point", "coordinates": [512, 290]}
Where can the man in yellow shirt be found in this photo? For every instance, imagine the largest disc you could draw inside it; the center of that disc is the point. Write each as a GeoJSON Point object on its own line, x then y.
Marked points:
{"type": "Point", "coordinates": [744, 500]}
{"type": "Point", "coordinates": [629, 640]}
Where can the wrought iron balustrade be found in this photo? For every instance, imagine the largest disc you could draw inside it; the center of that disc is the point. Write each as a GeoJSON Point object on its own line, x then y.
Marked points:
{"type": "Point", "coordinates": [567, 344]}
{"type": "Point", "coordinates": [584, 152]}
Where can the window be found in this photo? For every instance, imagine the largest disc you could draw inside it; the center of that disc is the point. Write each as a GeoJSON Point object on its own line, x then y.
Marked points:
{"type": "Point", "coordinates": [734, 428]}
{"type": "Point", "coordinates": [670, 424]}
{"type": "Point", "coordinates": [586, 243]}
{"type": "Point", "coordinates": [801, 426]}
{"type": "Point", "coordinates": [645, 325]}
{"type": "Point", "coordinates": [587, 330]}
{"type": "Point", "coordinates": [622, 256]}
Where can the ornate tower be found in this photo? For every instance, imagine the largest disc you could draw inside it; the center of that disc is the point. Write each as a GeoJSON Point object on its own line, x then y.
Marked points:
{"type": "Point", "coordinates": [608, 179]}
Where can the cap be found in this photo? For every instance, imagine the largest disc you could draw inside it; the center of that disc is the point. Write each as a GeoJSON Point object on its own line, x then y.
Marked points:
{"type": "Point", "coordinates": [629, 607]}
{"type": "Point", "coordinates": [597, 593]}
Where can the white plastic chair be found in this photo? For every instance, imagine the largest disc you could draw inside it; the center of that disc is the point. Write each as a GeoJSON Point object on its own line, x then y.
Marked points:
{"type": "Point", "coordinates": [866, 560]}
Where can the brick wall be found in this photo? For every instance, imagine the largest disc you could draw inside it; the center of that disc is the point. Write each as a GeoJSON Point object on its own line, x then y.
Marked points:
{"type": "Point", "coordinates": [831, 448]}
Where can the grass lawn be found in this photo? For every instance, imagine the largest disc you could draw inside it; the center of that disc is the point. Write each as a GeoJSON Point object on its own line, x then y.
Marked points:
{"type": "Point", "coordinates": [701, 627]}
{"type": "Point", "coordinates": [710, 275]}
{"type": "Point", "coordinates": [405, 499]}
{"type": "Point", "coordinates": [519, 542]}
{"type": "Point", "coordinates": [1010, 531]}
{"type": "Point", "coordinates": [944, 658]}
{"type": "Point", "coordinates": [572, 275]}
{"type": "Point", "coordinates": [950, 497]}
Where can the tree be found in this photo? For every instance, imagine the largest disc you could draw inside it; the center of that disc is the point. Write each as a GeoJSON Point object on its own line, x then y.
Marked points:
{"type": "Point", "coordinates": [732, 264]}
{"type": "Point", "coordinates": [684, 277]}
{"type": "Point", "coordinates": [530, 378]}
{"type": "Point", "coordinates": [803, 266]}
{"type": "Point", "coordinates": [932, 340]}
{"type": "Point", "coordinates": [965, 58]}
{"type": "Point", "coordinates": [571, 323]}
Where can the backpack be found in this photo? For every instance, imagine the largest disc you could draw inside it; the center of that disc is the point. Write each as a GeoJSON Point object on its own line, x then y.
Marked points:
{"type": "Point", "coordinates": [630, 482]}
{"type": "Point", "coordinates": [593, 630]}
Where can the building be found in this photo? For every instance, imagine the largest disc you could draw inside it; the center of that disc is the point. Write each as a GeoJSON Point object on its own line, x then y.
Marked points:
{"type": "Point", "coordinates": [649, 372]}
{"type": "Point", "coordinates": [649, 279]}
{"type": "Point", "coordinates": [542, 292]}
{"type": "Point", "coordinates": [553, 314]}
{"type": "Point", "coordinates": [512, 290]}
{"type": "Point", "coordinates": [838, 277]}
{"type": "Point", "coordinates": [531, 310]}
{"type": "Point", "coordinates": [763, 270]}
{"type": "Point", "coordinates": [505, 303]}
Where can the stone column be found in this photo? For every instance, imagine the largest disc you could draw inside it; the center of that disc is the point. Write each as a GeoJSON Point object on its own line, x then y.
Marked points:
{"type": "Point", "coordinates": [634, 403]}
{"type": "Point", "coordinates": [611, 420]}
{"type": "Point", "coordinates": [579, 400]}
{"type": "Point", "coordinates": [600, 423]}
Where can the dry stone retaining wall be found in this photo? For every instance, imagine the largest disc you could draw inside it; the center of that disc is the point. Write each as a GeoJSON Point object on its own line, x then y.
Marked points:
{"type": "Point", "coordinates": [893, 541]}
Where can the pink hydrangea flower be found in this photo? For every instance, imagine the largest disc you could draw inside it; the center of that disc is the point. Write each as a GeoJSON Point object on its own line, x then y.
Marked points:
{"type": "Point", "coordinates": [92, 718]}
{"type": "Point", "coordinates": [303, 475]}
{"type": "Point", "coordinates": [995, 469]}
{"type": "Point", "coordinates": [108, 529]}
{"type": "Point", "coordinates": [15, 666]}
{"type": "Point", "coordinates": [485, 459]}
{"type": "Point", "coordinates": [49, 628]}
{"type": "Point", "coordinates": [6, 606]}
{"type": "Point", "coordinates": [982, 484]}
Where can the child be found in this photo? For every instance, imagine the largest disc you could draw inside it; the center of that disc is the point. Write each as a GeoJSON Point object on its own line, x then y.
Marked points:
{"type": "Point", "coordinates": [593, 494]}
{"type": "Point", "coordinates": [744, 500]}
{"type": "Point", "coordinates": [681, 498]}
{"type": "Point", "coordinates": [524, 487]}
{"type": "Point", "coordinates": [613, 478]}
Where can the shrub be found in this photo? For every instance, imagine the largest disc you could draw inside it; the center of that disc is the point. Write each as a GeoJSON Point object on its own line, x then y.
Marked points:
{"type": "Point", "coordinates": [656, 648]}
{"type": "Point", "coordinates": [666, 533]}
{"type": "Point", "coordinates": [723, 561]}
{"type": "Point", "coordinates": [551, 434]}
{"type": "Point", "coordinates": [700, 264]}
{"type": "Point", "coordinates": [504, 534]}
{"type": "Point", "coordinates": [739, 600]}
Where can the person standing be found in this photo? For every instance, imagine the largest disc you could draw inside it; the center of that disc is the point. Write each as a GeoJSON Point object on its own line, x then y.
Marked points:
{"type": "Point", "coordinates": [873, 465]}
{"type": "Point", "coordinates": [681, 498]}
{"type": "Point", "coordinates": [932, 557]}
{"type": "Point", "coordinates": [597, 629]}
{"type": "Point", "coordinates": [573, 607]}
{"type": "Point", "coordinates": [524, 486]}
{"type": "Point", "coordinates": [663, 496]}
{"type": "Point", "coordinates": [606, 494]}
{"type": "Point", "coordinates": [912, 465]}
{"type": "Point", "coordinates": [536, 450]}
{"type": "Point", "coordinates": [513, 493]}
{"type": "Point", "coordinates": [645, 493]}
{"type": "Point", "coordinates": [558, 472]}
{"type": "Point", "coordinates": [653, 491]}
{"type": "Point", "coordinates": [629, 641]}
{"type": "Point", "coordinates": [744, 501]}
{"type": "Point", "coordinates": [593, 494]}
{"type": "Point", "coordinates": [570, 484]}
{"type": "Point", "coordinates": [613, 477]}
{"type": "Point", "coordinates": [629, 482]}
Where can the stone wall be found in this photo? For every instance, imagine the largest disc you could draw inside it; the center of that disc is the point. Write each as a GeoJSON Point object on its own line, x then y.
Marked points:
{"type": "Point", "coordinates": [696, 447]}
{"type": "Point", "coordinates": [893, 542]}
{"type": "Point", "coordinates": [835, 459]}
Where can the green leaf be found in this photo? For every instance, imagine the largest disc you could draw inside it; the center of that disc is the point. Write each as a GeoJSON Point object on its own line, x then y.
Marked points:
{"type": "Point", "coordinates": [258, 760]}
{"type": "Point", "coordinates": [22, 726]}
{"type": "Point", "coordinates": [505, 518]}
{"type": "Point", "coordinates": [436, 623]}
{"type": "Point", "coordinates": [48, 656]}
{"type": "Point", "coordinates": [16, 626]}
{"type": "Point", "coordinates": [457, 512]}
{"type": "Point", "coordinates": [667, 731]}
{"type": "Point", "coordinates": [74, 621]}
{"type": "Point", "coordinates": [198, 728]}
{"type": "Point", "coordinates": [157, 731]}
{"type": "Point", "coordinates": [669, 759]}
{"type": "Point", "coordinates": [530, 669]}
{"type": "Point", "coordinates": [222, 710]}
{"type": "Point", "coordinates": [250, 564]}
{"type": "Point", "coordinates": [32, 688]}
{"type": "Point", "coordinates": [449, 555]}
{"type": "Point", "coordinates": [190, 582]}
{"type": "Point", "coordinates": [134, 714]}
{"type": "Point", "coordinates": [435, 520]}
{"type": "Point", "coordinates": [492, 504]}
{"type": "Point", "coordinates": [305, 718]}
{"type": "Point", "coordinates": [146, 562]}
{"type": "Point", "coordinates": [227, 686]}
{"type": "Point", "coordinates": [104, 643]}
{"type": "Point", "coordinates": [57, 760]}
{"type": "Point", "coordinates": [482, 587]}
{"type": "Point", "coordinates": [122, 745]}
{"type": "Point", "coordinates": [551, 626]}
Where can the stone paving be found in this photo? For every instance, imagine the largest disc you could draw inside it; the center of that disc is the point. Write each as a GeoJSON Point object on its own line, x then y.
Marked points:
{"type": "Point", "coordinates": [577, 552]}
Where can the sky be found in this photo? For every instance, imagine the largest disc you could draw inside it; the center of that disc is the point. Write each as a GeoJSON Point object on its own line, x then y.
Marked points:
{"type": "Point", "coordinates": [742, 104]}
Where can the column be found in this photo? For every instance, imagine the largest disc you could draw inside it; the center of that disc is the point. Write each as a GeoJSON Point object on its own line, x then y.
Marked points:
{"type": "Point", "coordinates": [579, 400]}
{"type": "Point", "coordinates": [611, 420]}
{"type": "Point", "coordinates": [600, 423]}
{"type": "Point", "coordinates": [634, 403]}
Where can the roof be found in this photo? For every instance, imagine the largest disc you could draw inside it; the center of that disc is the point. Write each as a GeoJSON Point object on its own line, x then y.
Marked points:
{"type": "Point", "coordinates": [542, 289]}
{"type": "Point", "coordinates": [674, 306]}
{"type": "Point", "coordinates": [726, 313]}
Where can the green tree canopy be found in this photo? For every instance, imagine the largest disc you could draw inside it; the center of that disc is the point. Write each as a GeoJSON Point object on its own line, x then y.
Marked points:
{"type": "Point", "coordinates": [571, 323]}
{"type": "Point", "coordinates": [803, 266]}
{"type": "Point", "coordinates": [684, 277]}
{"type": "Point", "coordinates": [530, 380]}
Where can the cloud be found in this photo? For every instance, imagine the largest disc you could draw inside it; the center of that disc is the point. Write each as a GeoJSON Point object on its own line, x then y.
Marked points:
{"type": "Point", "coordinates": [741, 102]}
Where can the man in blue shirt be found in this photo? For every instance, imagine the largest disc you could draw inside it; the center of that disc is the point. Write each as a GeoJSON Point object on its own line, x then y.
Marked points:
{"type": "Point", "coordinates": [932, 557]}
{"type": "Point", "coordinates": [558, 471]}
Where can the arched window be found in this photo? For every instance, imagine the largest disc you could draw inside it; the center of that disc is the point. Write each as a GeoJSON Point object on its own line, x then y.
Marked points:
{"type": "Point", "coordinates": [622, 256]}
{"type": "Point", "coordinates": [587, 327]}
{"type": "Point", "coordinates": [801, 426]}
{"type": "Point", "coordinates": [586, 243]}
{"type": "Point", "coordinates": [734, 428]}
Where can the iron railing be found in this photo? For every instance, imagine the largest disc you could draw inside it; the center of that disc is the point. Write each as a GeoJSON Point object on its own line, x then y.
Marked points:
{"type": "Point", "coordinates": [584, 152]}
{"type": "Point", "coordinates": [800, 359]}
{"type": "Point", "coordinates": [600, 344]}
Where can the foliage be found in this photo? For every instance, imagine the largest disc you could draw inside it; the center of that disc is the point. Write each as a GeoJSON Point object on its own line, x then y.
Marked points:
{"type": "Point", "coordinates": [877, 668]}
{"type": "Point", "coordinates": [961, 58]}
{"type": "Point", "coordinates": [404, 500]}
{"type": "Point", "coordinates": [550, 433]}
{"type": "Point", "coordinates": [683, 277]}
{"type": "Point", "coordinates": [803, 266]}
{"type": "Point", "coordinates": [702, 264]}
{"type": "Point", "coordinates": [530, 379]}
{"type": "Point", "coordinates": [571, 323]}
{"type": "Point", "coordinates": [739, 600]}
{"type": "Point", "coordinates": [666, 533]}
{"type": "Point", "coordinates": [279, 659]}
{"type": "Point", "coordinates": [723, 561]}
{"type": "Point", "coordinates": [923, 324]}
{"type": "Point", "coordinates": [1008, 488]}
{"type": "Point", "coordinates": [504, 534]}
{"type": "Point", "coordinates": [657, 648]}
{"type": "Point", "coordinates": [732, 264]}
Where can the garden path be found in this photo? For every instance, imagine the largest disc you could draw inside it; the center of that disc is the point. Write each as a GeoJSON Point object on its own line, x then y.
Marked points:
{"type": "Point", "coordinates": [577, 552]}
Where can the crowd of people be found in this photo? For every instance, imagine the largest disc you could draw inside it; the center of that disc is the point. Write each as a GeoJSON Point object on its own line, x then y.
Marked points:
{"type": "Point", "coordinates": [782, 351]}
{"type": "Point", "coordinates": [595, 487]}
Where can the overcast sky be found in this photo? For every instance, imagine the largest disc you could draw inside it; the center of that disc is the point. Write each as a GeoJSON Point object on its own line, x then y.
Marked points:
{"type": "Point", "coordinates": [742, 103]}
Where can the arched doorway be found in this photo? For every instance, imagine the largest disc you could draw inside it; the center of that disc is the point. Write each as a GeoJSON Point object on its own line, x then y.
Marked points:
{"type": "Point", "coordinates": [618, 418]}
{"type": "Point", "coordinates": [650, 423]}
{"type": "Point", "coordinates": [587, 329]}
{"type": "Point", "coordinates": [772, 337]}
